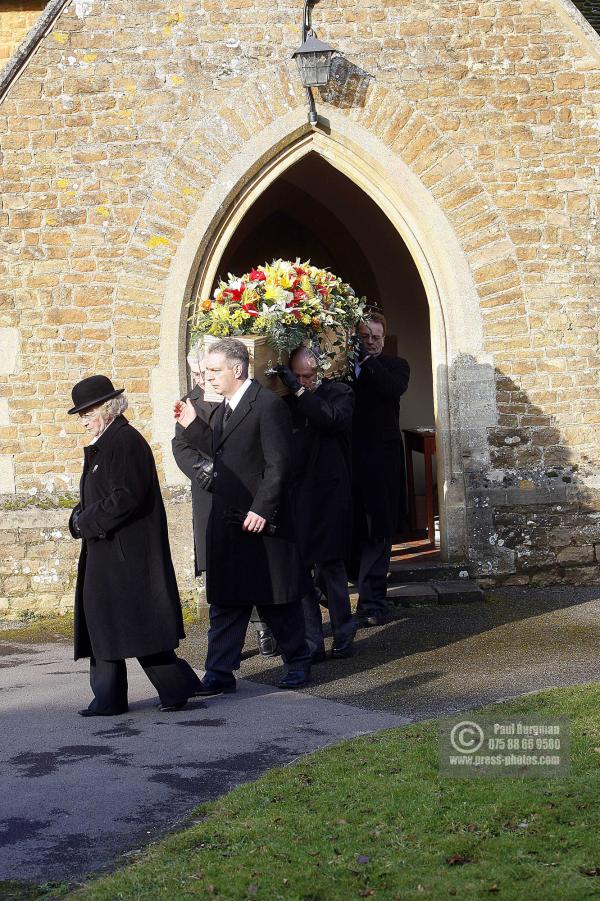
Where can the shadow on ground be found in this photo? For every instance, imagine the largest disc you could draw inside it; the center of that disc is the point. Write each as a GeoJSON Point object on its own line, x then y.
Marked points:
{"type": "Point", "coordinates": [430, 659]}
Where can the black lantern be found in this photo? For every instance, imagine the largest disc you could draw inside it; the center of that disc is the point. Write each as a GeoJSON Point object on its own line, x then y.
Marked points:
{"type": "Point", "coordinates": [314, 61]}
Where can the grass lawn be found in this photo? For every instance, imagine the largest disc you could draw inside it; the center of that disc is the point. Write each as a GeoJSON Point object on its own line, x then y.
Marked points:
{"type": "Point", "coordinates": [38, 630]}
{"type": "Point", "coordinates": [47, 629]}
{"type": "Point", "coordinates": [372, 818]}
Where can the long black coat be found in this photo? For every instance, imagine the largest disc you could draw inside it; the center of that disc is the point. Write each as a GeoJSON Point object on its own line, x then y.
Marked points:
{"type": "Point", "coordinates": [186, 456]}
{"type": "Point", "coordinates": [126, 599]}
{"type": "Point", "coordinates": [322, 487]}
{"type": "Point", "coordinates": [252, 471]}
{"type": "Point", "coordinates": [378, 471]}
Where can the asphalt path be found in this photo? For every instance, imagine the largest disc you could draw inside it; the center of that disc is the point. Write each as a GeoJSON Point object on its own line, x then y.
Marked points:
{"type": "Point", "coordinates": [80, 795]}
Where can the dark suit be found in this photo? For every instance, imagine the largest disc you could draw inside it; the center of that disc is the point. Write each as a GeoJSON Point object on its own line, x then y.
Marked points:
{"type": "Point", "coordinates": [126, 598]}
{"type": "Point", "coordinates": [322, 499]}
{"type": "Point", "coordinates": [379, 480]}
{"type": "Point", "coordinates": [252, 468]}
{"type": "Point", "coordinates": [186, 456]}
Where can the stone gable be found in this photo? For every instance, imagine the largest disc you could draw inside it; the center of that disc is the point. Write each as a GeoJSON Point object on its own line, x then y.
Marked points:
{"type": "Point", "coordinates": [128, 139]}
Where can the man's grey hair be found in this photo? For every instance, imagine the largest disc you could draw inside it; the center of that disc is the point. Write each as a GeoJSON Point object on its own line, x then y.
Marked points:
{"type": "Point", "coordinates": [113, 407]}
{"type": "Point", "coordinates": [234, 352]}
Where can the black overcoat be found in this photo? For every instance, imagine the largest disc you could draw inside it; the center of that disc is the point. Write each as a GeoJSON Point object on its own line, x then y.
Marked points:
{"type": "Point", "coordinates": [378, 470]}
{"type": "Point", "coordinates": [252, 471]}
{"type": "Point", "coordinates": [322, 486]}
{"type": "Point", "coordinates": [186, 456]}
{"type": "Point", "coordinates": [126, 598]}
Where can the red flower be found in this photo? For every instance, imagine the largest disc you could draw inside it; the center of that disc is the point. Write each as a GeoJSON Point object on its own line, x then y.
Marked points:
{"type": "Point", "coordinates": [299, 270]}
{"type": "Point", "coordinates": [299, 295]}
{"type": "Point", "coordinates": [235, 294]}
{"type": "Point", "coordinates": [323, 291]}
{"type": "Point", "coordinates": [250, 308]}
{"type": "Point", "coordinates": [255, 275]}
{"type": "Point", "coordinates": [297, 314]}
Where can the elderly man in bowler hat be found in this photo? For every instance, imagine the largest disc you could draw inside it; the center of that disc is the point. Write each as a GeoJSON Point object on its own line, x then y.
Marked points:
{"type": "Point", "coordinates": [126, 600]}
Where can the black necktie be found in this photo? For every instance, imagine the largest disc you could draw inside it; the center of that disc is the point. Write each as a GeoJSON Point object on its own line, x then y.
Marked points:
{"type": "Point", "coordinates": [227, 413]}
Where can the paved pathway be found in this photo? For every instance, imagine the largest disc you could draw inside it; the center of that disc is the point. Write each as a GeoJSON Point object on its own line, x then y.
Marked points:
{"type": "Point", "coordinates": [78, 794]}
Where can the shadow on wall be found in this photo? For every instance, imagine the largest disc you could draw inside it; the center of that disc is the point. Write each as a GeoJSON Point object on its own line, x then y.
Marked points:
{"type": "Point", "coordinates": [526, 512]}
{"type": "Point", "coordinates": [347, 86]}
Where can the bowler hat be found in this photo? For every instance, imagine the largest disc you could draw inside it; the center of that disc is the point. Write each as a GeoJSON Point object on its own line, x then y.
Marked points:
{"type": "Point", "coordinates": [93, 391]}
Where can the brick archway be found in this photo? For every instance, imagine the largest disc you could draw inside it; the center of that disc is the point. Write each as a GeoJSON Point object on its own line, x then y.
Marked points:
{"type": "Point", "coordinates": [420, 181]}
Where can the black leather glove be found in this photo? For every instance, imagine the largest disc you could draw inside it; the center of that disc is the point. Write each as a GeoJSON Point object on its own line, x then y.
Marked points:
{"type": "Point", "coordinates": [288, 378]}
{"type": "Point", "coordinates": [204, 474]}
{"type": "Point", "coordinates": [75, 521]}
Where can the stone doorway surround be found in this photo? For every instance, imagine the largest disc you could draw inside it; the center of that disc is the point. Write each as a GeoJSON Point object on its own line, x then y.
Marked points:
{"type": "Point", "coordinates": [436, 203]}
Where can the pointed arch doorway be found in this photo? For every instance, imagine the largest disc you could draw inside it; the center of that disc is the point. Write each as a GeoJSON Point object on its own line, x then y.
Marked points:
{"type": "Point", "coordinates": [314, 211]}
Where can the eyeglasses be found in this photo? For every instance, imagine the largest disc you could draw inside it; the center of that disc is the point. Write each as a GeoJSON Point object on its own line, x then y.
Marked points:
{"type": "Point", "coordinates": [91, 414]}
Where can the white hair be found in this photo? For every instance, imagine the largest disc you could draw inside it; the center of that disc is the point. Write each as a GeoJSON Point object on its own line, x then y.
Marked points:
{"type": "Point", "coordinates": [113, 407]}
{"type": "Point", "coordinates": [195, 358]}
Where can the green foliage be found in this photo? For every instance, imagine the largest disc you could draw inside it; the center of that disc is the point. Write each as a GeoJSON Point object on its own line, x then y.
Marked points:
{"type": "Point", "coordinates": [36, 629]}
{"type": "Point", "coordinates": [291, 304]}
{"type": "Point", "coordinates": [40, 502]}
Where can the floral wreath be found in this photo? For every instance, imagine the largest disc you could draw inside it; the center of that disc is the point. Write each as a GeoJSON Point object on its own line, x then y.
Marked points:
{"type": "Point", "coordinates": [289, 303]}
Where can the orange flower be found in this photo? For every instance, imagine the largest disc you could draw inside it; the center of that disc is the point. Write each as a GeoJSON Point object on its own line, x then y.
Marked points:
{"type": "Point", "coordinates": [206, 305]}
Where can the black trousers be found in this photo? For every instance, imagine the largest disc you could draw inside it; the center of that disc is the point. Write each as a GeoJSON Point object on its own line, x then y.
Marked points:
{"type": "Point", "coordinates": [227, 632]}
{"type": "Point", "coordinates": [331, 578]}
{"type": "Point", "coordinates": [257, 622]}
{"type": "Point", "coordinates": [173, 678]}
{"type": "Point", "coordinates": [372, 576]}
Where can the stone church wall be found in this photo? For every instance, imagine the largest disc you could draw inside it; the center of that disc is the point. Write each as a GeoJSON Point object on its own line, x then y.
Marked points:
{"type": "Point", "coordinates": [130, 116]}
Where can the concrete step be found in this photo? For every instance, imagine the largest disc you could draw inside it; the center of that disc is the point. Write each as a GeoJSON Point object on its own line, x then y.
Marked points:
{"type": "Point", "coordinates": [426, 572]}
{"type": "Point", "coordinates": [414, 594]}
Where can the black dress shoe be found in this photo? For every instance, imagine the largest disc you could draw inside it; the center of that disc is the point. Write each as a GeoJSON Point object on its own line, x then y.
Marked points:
{"type": "Point", "coordinates": [346, 650]}
{"type": "Point", "coordinates": [211, 687]}
{"type": "Point", "coordinates": [88, 712]}
{"type": "Point", "coordinates": [170, 708]}
{"type": "Point", "coordinates": [372, 619]}
{"type": "Point", "coordinates": [296, 678]}
{"type": "Point", "coordinates": [266, 643]}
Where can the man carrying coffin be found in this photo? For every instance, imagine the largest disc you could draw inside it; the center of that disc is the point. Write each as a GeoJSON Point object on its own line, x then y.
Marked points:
{"type": "Point", "coordinates": [322, 443]}
{"type": "Point", "coordinates": [379, 480]}
{"type": "Point", "coordinates": [252, 558]}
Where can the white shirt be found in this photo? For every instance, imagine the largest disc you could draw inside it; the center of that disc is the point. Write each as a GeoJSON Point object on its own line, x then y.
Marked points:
{"type": "Point", "coordinates": [236, 398]}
